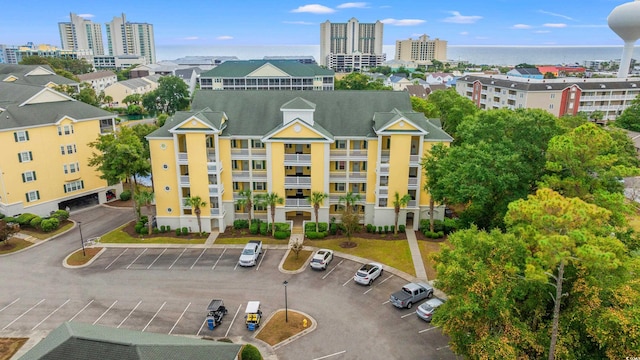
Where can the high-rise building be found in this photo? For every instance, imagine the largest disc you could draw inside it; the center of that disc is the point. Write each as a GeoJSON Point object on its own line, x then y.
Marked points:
{"type": "Point", "coordinates": [8, 54]}
{"type": "Point", "coordinates": [345, 47]}
{"type": "Point", "coordinates": [422, 50]}
{"type": "Point", "coordinates": [81, 34]}
{"type": "Point", "coordinates": [127, 38]}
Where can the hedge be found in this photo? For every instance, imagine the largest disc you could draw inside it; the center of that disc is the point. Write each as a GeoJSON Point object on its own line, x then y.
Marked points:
{"type": "Point", "coordinates": [280, 235]}
{"type": "Point", "coordinates": [240, 224]}
{"type": "Point", "coordinates": [50, 224]}
{"type": "Point", "coordinates": [311, 226]}
{"type": "Point", "coordinates": [250, 352]}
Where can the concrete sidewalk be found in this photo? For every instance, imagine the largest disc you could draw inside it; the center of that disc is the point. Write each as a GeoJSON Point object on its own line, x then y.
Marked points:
{"type": "Point", "coordinates": [416, 256]}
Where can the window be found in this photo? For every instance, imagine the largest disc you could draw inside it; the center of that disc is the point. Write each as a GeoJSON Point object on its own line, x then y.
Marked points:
{"type": "Point", "coordinates": [553, 96]}
{"type": "Point", "coordinates": [257, 144]}
{"type": "Point", "coordinates": [340, 165]}
{"type": "Point", "coordinates": [167, 188]}
{"type": "Point", "coordinates": [550, 106]}
{"type": "Point", "coordinates": [62, 150]}
{"type": "Point", "coordinates": [259, 165]}
{"type": "Point", "coordinates": [260, 186]}
{"type": "Point", "coordinates": [74, 186]}
{"type": "Point", "coordinates": [71, 168]}
{"type": "Point", "coordinates": [25, 156]}
{"type": "Point", "coordinates": [165, 166]}
{"type": "Point", "coordinates": [33, 195]}
{"type": "Point", "coordinates": [340, 187]}
{"type": "Point", "coordinates": [341, 144]}
{"type": "Point", "coordinates": [29, 176]}
{"type": "Point", "coordinates": [71, 149]}
{"type": "Point", "coordinates": [169, 210]}
{"type": "Point", "coordinates": [21, 136]}
{"type": "Point", "coordinates": [66, 130]}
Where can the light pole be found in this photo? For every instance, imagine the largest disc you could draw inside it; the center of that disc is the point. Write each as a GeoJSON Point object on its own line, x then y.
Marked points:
{"type": "Point", "coordinates": [81, 239]}
{"type": "Point", "coordinates": [286, 311]}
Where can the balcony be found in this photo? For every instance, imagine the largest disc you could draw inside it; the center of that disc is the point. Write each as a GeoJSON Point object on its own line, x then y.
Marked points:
{"type": "Point", "coordinates": [414, 159]}
{"type": "Point", "coordinates": [215, 211]}
{"type": "Point", "coordinates": [384, 170]}
{"type": "Point", "coordinates": [216, 189]}
{"type": "Point", "coordinates": [297, 182]}
{"type": "Point", "coordinates": [412, 203]}
{"type": "Point", "coordinates": [237, 175]}
{"type": "Point", "coordinates": [260, 152]}
{"type": "Point", "coordinates": [297, 203]}
{"type": "Point", "coordinates": [358, 176]}
{"type": "Point", "coordinates": [259, 174]}
{"type": "Point", "coordinates": [335, 176]}
{"type": "Point", "coordinates": [385, 156]}
{"type": "Point", "coordinates": [335, 198]}
{"type": "Point", "coordinates": [183, 157]}
{"type": "Point", "coordinates": [297, 159]}
{"type": "Point", "coordinates": [211, 156]}
{"type": "Point", "coordinates": [184, 180]}
{"type": "Point", "coordinates": [413, 181]}
{"type": "Point", "coordinates": [342, 154]}
{"type": "Point", "coordinates": [239, 152]}
{"type": "Point", "coordinates": [383, 192]}
{"type": "Point", "coordinates": [212, 167]}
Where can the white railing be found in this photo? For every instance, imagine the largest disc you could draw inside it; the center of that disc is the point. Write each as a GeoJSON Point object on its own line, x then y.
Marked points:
{"type": "Point", "coordinates": [183, 156]}
{"type": "Point", "coordinates": [258, 151]}
{"type": "Point", "coordinates": [414, 159]}
{"type": "Point", "coordinates": [262, 174]}
{"type": "Point", "coordinates": [413, 181]}
{"type": "Point", "coordinates": [337, 175]}
{"type": "Point", "coordinates": [211, 156]}
{"type": "Point", "coordinates": [184, 179]}
{"type": "Point", "coordinates": [240, 174]}
{"type": "Point", "coordinates": [297, 203]}
{"type": "Point", "coordinates": [298, 158]}
{"type": "Point", "coordinates": [240, 152]}
{"type": "Point", "coordinates": [385, 155]}
{"type": "Point", "coordinates": [297, 180]}
{"type": "Point", "coordinates": [384, 192]}
{"type": "Point", "coordinates": [384, 170]}
{"type": "Point", "coordinates": [215, 211]}
{"type": "Point", "coordinates": [412, 203]}
{"type": "Point", "coordinates": [212, 167]}
{"type": "Point", "coordinates": [358, 175]}
{"type": "Point", "coordinates": [216, 189]}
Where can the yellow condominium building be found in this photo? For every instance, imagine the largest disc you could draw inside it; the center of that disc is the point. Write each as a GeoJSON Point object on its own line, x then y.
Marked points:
{"type": "Point", "coordinates": [43, 137]}
{"type": "Point", "coordinates": [293, 143]}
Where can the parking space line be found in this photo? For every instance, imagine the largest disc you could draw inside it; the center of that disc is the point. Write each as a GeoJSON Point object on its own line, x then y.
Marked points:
{"type": "Point", "coordinates": [116, 259]}
{"type": "Point", "coordinates": [14, 301]}
{"type": "Point", "coordinates": [201, 327]}
{"type": "Point", "coordinates": [178, 258]}
{"type": "Point", "coordinates": [442, 347]}
{"type": "Point", "coordinates": [405, 315]}
{"type": "Point", "coordinates": [386, 302]}
{"type": "Point", "coordinates": [106, 311]}
{"type": "Point", "coordinates": [370, 288]}
{"type": "Point", "coordinates": [81, 310]}
{"type": "Point", "coordinates": [333, 268]}
{"type": "Point", "coordinates": [390, 276]}
{"type": "Point", "coordinates": [235, 267]}
{"type": "Point", "coordinates": [130, 312]}
{"type": "Point", "coordinates": [156, 259]}
{"type": "Point", "coordinates": [154, 316]}
{"type": "Point", "coordinates": [219, 257]}
{"type": "Point", "coordinates": [53, 312]}
{"type": "Point", "coordinates": [180, 318]}
{"type": "Point", "coordinates": [137, 257]}
{"type": "Point", "coordinates": [330, 355]}
{"type": "Point", "coordinates": [425, 330]}
{"type": "Point", "coordinates": [348, 281]}
{"type": "Point", "coordinates": [232, 321]}
{"type": "Point", "coordinates": [261, 258]}
{"type": "Point", "coordinates": [202, 253]}
{"type": "Point", "coordinates": [23, 314]}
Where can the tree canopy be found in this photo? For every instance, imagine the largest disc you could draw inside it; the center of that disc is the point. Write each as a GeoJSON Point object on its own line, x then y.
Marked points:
{"type": "Point", "coordinates": [452, 108]}
{"type": "Point", "coordinates": [359, 81]}
{"type": "Point", "coordinates": [72, 66]}
{"type": "Point", "coordinates": [630, 117]}
{"type": "Point", "coordinates": [171, 95]}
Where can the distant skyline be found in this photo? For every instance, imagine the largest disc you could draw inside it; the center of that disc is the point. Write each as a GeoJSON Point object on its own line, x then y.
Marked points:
{"type": "Point", "coordinates": [253, 22]}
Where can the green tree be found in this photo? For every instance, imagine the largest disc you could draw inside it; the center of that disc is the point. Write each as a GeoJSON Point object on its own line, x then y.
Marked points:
{"type": "Point", "coordinates": [108, 99]}
{"type": "Point", "coordinates": [141, 131]}
{"type": "Point", "coordinates": [426, 107]}
{"type": "Point", "coordinates": [161, 119]}
{"type": "Point", "coordinates": [399, 202]}
{"type": "Point", "coordinates": [145, 198]}
{"type": "Point", "coordinates": [549, 75]}
{"type": "Point", "coordinates": [359, 81]}
{"type": "Point", "coordinates": [452, 108]}
{"type": "Point", "coordinates": [120, 156]}
{"type": "Point", "coordinates": [271, 200]}
{"type": "Point", "coordinates": [349, 199]}
{"type": "Point", "coordinates": [630, 117]}
{"type": "Point", "coordinates": [316, 199]}
{"type": "Point", "coordinates": [135, 99]}
{"type": "Point", "coordinates": [246, 202]}
{"type": "Point", "coordinates": [350, 222]}
{"type": "Point", "coordinates": [525, 66]}
{"type": "Point", "coordinates": [196, 202]}
{"type": "Point", "coordinates": [6, 231]}
{"type": "Point", "coordinates": [172, 94]}
{"type": "Point", "coordinates": [70, 66]}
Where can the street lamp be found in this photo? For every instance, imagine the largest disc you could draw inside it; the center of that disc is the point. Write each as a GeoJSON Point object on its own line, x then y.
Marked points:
{"type": "Point", "coordinates": [286, 312]}
{"type": "Point", "coordinates": [81, 239]}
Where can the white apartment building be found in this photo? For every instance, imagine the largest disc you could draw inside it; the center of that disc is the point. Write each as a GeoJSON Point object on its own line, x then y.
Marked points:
{"type": "Point", "coordinates": [563, 96]}
{"type": "Point", "coordinates": [99, 80]}
{"type": "Point", "coordinates": [422, 50]}
{"type": "Point", "coordinates": [81, 34]}
{"type": "Point", "coordinates": [345, 47]}
{"type": "Point", "coordinates": [127, 38]}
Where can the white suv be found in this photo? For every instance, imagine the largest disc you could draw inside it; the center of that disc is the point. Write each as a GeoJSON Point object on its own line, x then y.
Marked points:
{"type": "Point", "coordinates": [321, 259]}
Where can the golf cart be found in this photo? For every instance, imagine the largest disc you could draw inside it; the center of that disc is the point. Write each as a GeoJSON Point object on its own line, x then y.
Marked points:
{"type": "Point", "coordinates": [215, 311]}
{"type": "Point", "coordinates": [253, 314]}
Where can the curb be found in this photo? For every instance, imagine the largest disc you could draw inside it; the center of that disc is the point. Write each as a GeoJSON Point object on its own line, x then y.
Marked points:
{"type": "Point", "coordinates": [66, 265]}
{"type": "Point", "coordinates": [301, 269]}
{"type": "Point", "coordinates": [42, 241]}
{"type": "Point", "coordinates": [314, 325]}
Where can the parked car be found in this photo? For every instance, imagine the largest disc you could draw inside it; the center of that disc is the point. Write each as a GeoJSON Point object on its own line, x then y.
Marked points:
{"type": "Point", "coordinates": [321, 259]}
{"type": "Point", "coordinates": [250, 253]}
{"type": "Point", "coordinates": [367, 273]}
{"type": "Point", "coordinates": [426, 310]}
{"type": "Point", "coordinates": [411, 294]}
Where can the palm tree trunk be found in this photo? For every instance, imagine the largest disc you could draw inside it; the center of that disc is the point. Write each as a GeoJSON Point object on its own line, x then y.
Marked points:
{"type": "Point", "coordinates": [395, 228]}
{"type": "Point", "coordinates": [197, 211]}
{"type": "Point", "coordinates": [149, 218]}
{"type": "Point", "coordinates": [315, 208]}
{"type": "Point", "coordinates": [556, 310]}
{"type": "Point", "coordinates": [273, 220]}
{"type": "Point", "coordinates": [431, 221]}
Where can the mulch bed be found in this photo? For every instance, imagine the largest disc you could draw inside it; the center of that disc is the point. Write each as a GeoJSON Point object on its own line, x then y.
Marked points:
{"type": "Point", "coordinates": [130, 229]}
{"type": "Point", "coordinates": [230, 232]}
{"type": "Point", "coordinates": [38, 231]}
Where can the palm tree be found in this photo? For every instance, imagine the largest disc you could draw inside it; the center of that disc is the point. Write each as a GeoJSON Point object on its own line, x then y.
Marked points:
{"type": "Point", "coordinates": [399, 202]}
{"type": "Point", "coordinates": [316, 200]}
{"type": "Point", "coordinates": [196, 202]}
{"type": "Point", "coordinates": [272, 199]}
{"type": "Point", "coordinates": [349, 199]}
{"type": "Point", "coordinates": [145, 198]}
{"type": "Point", "coordinates": [246, 202]}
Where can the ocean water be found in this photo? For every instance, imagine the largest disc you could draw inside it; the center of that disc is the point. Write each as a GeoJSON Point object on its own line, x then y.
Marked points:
{"type": "Point", "coordinates": [489, 55]}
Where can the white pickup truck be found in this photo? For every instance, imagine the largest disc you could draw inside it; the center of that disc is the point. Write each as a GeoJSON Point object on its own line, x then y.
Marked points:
{"type": "Point", "coordinates": [250, 253]}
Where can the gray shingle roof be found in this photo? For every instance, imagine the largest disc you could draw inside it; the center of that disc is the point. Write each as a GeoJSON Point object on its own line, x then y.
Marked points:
{"type": "Point", "coordinates": [73, 340]}
{"type": "Point", "coordinates": [242, 68]}
{"type": "Point", "coordinates": [213, 118]}
{"type": "Point", "coordinates": [96, 75]}
{"type": "Point", "coordinates": [337, 113]}
{"type": "Point", "coordinates": [518, 83]}
{"type": "Point", "coordinates": [20, 71]}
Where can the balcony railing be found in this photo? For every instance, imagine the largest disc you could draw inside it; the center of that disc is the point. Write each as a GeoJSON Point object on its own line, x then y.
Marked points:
{"type": "Point", "coordinates": [414, 159]}
{"type": "Point", "coordinates": [260, 174]}
{"type": "Point", "coordinates": [384, 169]}
{"type": "Point", "coordinates": [212, 167]}
{"type": "Point", "coordinates": [216, 189]}
{"type": "Point", "coordinates": [413, 181]}
{"type": "Point", "coordinates": [341, 154]}
{"type": "Point", "coordinates": [298, 158]}
{"type": "Point", "coordinates": [297, 181]}
{"type": "Point", "coordinates": [383, 192]}
{"type": "Point", "coordinates": [337, 175]}
{"type": "Point", "coordinates": [297, 203]}
{"type": "Point", "coordinates": [412, 203]}
{"type": "Point", "coordinates": [358, 175]}
{"type": "Point", "coordinates": [215, 211]}
{"type": "Point", "coordinates": [211, 156]}
{"type": "Point", "coordinates": [335, 198]}
{"type": "Point", "coordinates": [184, 180]}
{"type": "Point", "coordinates": [182, 156]}
{"type": "Point", "coordinates": [238, 174]}
{"type": "Point", "coordinates": [385, 156]}
{"type": "Point", "coordinates": [239, 152]}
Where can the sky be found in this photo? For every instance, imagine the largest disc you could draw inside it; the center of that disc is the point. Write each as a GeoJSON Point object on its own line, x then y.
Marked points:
{"type": "Point", "coordinates": [288, 22]}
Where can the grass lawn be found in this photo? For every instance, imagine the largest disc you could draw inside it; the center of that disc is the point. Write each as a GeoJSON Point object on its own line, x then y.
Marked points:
{"type": "Point", "coordinates": [121, 237]}
{"type": "Point", "coordinates": [394, 253]}
{"type": "Point", "coordinates": [427, 249]}
{"type": "Point", "coordinates": [12, 245]}
{"type": "Point", "coordinates": [77, 259]}
{"type": "Point", "coordinates": [243, 240]}
{"type": "Point", "coordinates": [277, 330]}
{"type": "Point", "coordinates": [292, 263]}
{"type": "Point", "coordinates": [9, 346]}
{"type": "Point", "coordinates": [44, 236]}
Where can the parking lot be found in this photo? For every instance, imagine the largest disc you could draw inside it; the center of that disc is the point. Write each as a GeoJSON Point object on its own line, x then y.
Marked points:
{"type": "Point", "coordinates": [167, 290]}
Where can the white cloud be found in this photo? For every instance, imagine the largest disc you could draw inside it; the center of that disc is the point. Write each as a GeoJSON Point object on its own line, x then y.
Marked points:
{"type": "Point", "coordinates": [542, 31]}
{"type": "Point", "coordinates": [458, 18]}
{"type": "Point", "coordinates": [351, 5]}
{"type": "Point", "coordinates": [555, 25]}
{"type": "Point", "coordinates": [224, 37]}
{"type": "Point", "coordinates": [298, 22]}
{"type": "Point", "coordinates": [464, 33]}
{"type": "Point", "coordinates": [555, 14]}
{"type": "Point", "coordinates": [314, 9]}
{"type": "Point", "coordinates": [191, 38]}
{"type": "Point", "coordinates": [403, 22]}
{"type": "Point", "coordinates": [84, 16]}
{"type": "Point", "coordinates": [521, 26]}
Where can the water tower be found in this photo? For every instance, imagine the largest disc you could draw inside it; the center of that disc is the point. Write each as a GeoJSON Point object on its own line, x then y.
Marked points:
{"type": "Point", "coordinates": [624, 20]}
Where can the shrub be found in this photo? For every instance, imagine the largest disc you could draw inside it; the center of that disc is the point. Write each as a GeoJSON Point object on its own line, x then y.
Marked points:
{"type": "Point", "coordinates": [284, 226]}
{"type": "Point", "coordinates": [379, 229]}
{"type": "Point", "coordinates": [138, 227]}
{"type": "Point", "coordinates": [35, 222]}
{"type": "Point", "coordinates": [386, 229]}
{"type": "Point", "coordinates": [185, 231]}
{"type": "Point", "coordinates": [62, 215]}
{"type": "Point", "coordinates": [264, 229]}
{"type": "Point", "coordinates": [401, 228]}
{"type": "Point", "coordinates": [433, 235]}
{"type": "Point", "coordinates": [312, 235]}
{"type": "Point", "coordinates": [178, 232]}
{"type": "Point", "coordinates": [1, 216]}
{"type": "Point", "coordinates": [49, 224]}
{"type": "Point", "coordinates": [333, 229]}
{"type": "Point", "coordinates": [311, 226]}
{"type": "Point", "coordinates": [280, 235]}
{"type": "Point", "coordinates": [392, 228]}
{"type": "Point", "coordinates": [144, 231]}
{"type": "Point", "coordinates": [10, 219]}
{"type": "Point", "coordinates": [250, 352]}
{"type": "Point", "coordinates": [240, 224]}
{"type": "Point", "coordinates": [168, 228]}
{"type": "Point", "coordinates": [125, 195]}
{"type": "Point", "coordinates": [156, 230]}
{"type": "Point", "coordinates": [163, 229]}
{"type": "Point", "coordinates": [25, 219]}
{"type": "Point", "coordinates": [255, 227]}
